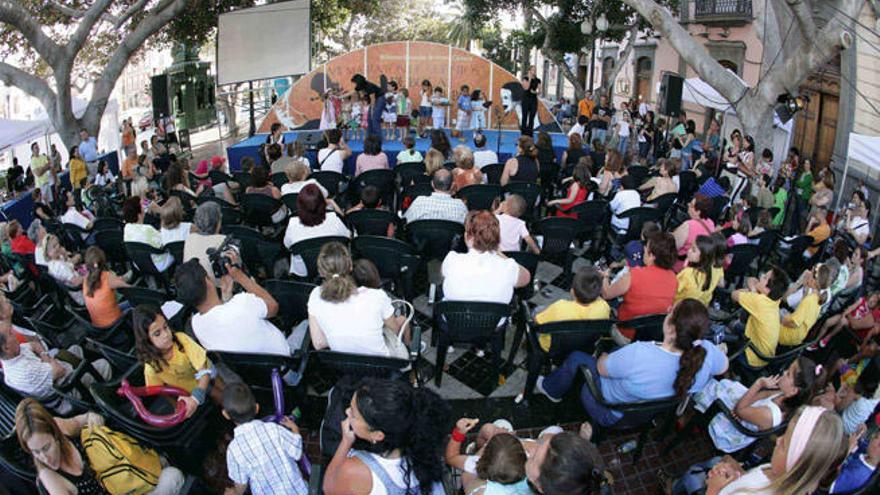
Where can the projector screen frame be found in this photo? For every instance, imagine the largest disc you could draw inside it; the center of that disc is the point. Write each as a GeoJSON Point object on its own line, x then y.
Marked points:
{"type": "Point", "coordinates": [217, 46]}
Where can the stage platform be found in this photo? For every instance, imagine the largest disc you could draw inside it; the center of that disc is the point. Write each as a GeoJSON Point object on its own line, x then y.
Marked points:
{"type": "Point", "coordinates": [505, 148]}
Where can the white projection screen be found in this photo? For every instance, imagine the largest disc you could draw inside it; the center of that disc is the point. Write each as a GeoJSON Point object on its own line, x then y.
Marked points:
{"type": "Point", "coordinates": [263, 42]}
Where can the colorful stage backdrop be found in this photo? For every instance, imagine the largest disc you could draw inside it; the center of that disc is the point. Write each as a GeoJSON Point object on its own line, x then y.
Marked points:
{"type": "Point", "coordinates": [408, 63]}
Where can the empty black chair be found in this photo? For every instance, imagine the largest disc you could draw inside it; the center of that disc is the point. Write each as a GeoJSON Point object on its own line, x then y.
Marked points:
{"type": "Point", "coordinates": [637, 218]}
{"type": "Point", "coordinates": [593, 217]}
{"type": "Point", "coordinates": [142, 295]}
{"type": "Point", "coordinates": [381, 179]}
{"type": "Point", "coordinates": [565, 337]}
{"type": "Point", "coordinates": [289, 201]}
{"type": "Point", "coordinates": [753, 214]}
{"type": "Point", "coordinates": [108, 223]}
{"type": "Point", "coordinates": [278, 179]}
{"type": "Point", "coordinates": [396, 260]}
{"type": "Point", "coordinates": [176, 250]}
{"type": "Point", "coordinates": [493, 172]}
{"type": "Point", "coordinates": [410, 193]}
{"type": "Point", "coordinates": [663, 203]}
{"type": "Point", "coordinates": [111, 242]}
{"type": "Point", "coordinates": [647, 327]}
{"type": "Point", "coordinates": [141, 254]}
{"type": "Point", "coordinates": [471, 323]}
{"type": "Point", "coordinates": [531, 192]}
{"type": "Point", "coordinates": [257, 209]}
{"type": "Point", "coordinates": [187, 200]}
{"type": "Point", "coordinates": [687, 186]}
{"type": "Point", "coordinates": [766, 242]}
{"type": "Point", "coordinates": [479, 196]}
{"type": "Point", "coordinates": [309, 250]}
{"type": "Point", "coordinates": [360, 365]}
{"type": "Point", "coordinates": [433, 239]}
{"type": "Point", "coordinates": [792, 257]}
{"type": "Point", "coordinates": [529, 261]}
{"type": "Point", "coordinates": [214, 199]}
{"type": "Point", "coordinates": [742, 256]}
{"type": "Point", "coordinates": [293, 298]}
{"type": "Point", "coordinates": [120, 359]}
{"type": "Point", "coordinates": [332, 181]}
{"type": "Point", "coordinates": [230, 216]}
{"type": "Point", "coordinates": [371, 221]}
{"type": "Point", "coordinates": [407, 172]}
{"type": "Point", "coordinates": [558, 234]}
{"type": "Point", "coordinates": [73, 237]}
{"type": "Point", "coordinates": [638, 173]}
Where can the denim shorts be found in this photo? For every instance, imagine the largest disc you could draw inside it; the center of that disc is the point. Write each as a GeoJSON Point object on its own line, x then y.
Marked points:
{"type": "Point", "coordinates": [424, 112]}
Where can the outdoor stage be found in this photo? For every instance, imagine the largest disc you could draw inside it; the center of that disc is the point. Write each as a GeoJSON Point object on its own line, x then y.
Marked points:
{"type": "Point", "coordinates": [506, 148]}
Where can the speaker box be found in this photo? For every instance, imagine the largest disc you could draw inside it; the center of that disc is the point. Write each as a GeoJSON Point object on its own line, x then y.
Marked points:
{"type": "Point", "coordinates": [311, 140]}
{"type": "Point", "coordinates": [670, 95]}
{"type": "Point", "coordinates": [160, 89]}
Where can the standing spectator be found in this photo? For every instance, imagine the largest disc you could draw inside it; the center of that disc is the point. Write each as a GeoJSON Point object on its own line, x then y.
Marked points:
{"type": "Point", "coordinates": [77, 168]}
{"type": "Point", "coordinates": [601, 119]}
{"type": "Point", "coordinates": [88, 150]}
{"type": "Point", "coordinates": [41, 168]}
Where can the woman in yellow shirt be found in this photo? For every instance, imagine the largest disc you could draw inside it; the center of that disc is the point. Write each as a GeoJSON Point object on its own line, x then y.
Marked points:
{"type": "Point", "coordinates": [795, 327]}
{"type": "Point", "coordinates": [77, 166]}
{"type": "Point", "coordinates": [174, 359]}
{"type": "Point", "coordinates": [701, 276]}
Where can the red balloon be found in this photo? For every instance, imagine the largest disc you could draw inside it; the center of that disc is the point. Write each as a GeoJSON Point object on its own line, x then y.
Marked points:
{"type": "Point", "coordinates": [134, 394]}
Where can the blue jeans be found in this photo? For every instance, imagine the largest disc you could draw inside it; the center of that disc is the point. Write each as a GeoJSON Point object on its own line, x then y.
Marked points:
{"type": "Point", "coordinates": [600, 135]}
{"type": "Point", "coordinates": [624, 142]}
{"type": "Point", "coordinates": [374, 124]}
{"type": "Point", "coordinates": [694, 479]}
{"type": "Point", "coordinates": [558, 383]}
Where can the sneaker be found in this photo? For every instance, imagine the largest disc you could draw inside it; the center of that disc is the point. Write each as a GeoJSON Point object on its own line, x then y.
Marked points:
{"type": "Point", "coordinates": [812, 348]}
{"type": "Point", "coordinates": [450, 350]}
{"type": "Point", "coordinates": [824, 342]}
{"type": "Point", "coordinates": [481, 353]}
{"type": "Point", "coordinates": [539, 384]}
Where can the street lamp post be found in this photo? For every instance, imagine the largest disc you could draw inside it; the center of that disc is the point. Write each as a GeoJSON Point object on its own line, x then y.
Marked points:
{"type": "Point", "coordinates": [587, 27]}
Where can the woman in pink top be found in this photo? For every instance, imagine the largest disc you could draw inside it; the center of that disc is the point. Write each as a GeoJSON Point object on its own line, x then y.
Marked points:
{"type": "Point", "coordinates": [698, 224]}
{"type": "Point", "coordinates": [372, 158]}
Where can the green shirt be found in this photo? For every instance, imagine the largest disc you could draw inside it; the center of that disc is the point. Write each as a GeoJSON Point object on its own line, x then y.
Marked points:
{"type": "Point", "coordinates": [804, 185]}
{"type": "Point", "coordinates": [779, 200]}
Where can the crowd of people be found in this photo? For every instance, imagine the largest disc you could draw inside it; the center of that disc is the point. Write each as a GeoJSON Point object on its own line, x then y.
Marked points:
{"type": "Point", "coordinates": [719, 341]}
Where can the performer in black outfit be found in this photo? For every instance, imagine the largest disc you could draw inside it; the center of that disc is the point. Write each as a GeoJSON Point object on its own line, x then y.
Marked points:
{"type": "Point", "coordinates": [377, 95]}
{"type": "Point", "coordinates": [531, 87]}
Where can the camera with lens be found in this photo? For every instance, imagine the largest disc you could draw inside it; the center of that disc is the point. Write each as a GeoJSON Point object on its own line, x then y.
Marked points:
{"type": "Point", "coordinates": [222, 256]}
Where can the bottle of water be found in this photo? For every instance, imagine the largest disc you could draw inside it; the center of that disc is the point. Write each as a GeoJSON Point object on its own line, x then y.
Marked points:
{"type": "Point", "coordinates": [627, 447]}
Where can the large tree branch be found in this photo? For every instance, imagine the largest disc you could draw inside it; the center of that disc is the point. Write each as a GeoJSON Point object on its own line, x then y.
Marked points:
{"type": "Point", "coordinates": [696, 56]}
{"type": "Point", "coordinates": [14, 14]}
{"type": "Point", "coordinates": [803, 14]}
{"type": "Point", "coordinates": [154, 21]}
{"type": "Point", "coordinates": [86, 23]}
{"type": "Point", "coordinates": [29, 83]}
{"type": "Point", "coordinates": [117, 21]}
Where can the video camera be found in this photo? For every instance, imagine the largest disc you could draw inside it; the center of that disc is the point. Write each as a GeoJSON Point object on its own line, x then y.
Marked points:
{"type": "Point", "coordinates": [221, 256]}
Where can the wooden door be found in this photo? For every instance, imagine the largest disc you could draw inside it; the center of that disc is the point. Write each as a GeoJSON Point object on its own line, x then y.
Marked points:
{"type": "Point", "coordinates": [827, 131]}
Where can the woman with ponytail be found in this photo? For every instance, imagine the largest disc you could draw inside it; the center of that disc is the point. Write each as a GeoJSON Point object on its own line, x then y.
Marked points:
{"type": "Point", "coordinates": [99, 290]}
{"type": "Point", "coordinates": [701, 277]}
{"type": "Point", "coordinates": [348, 318]}
{"type": "Point", "coordinates": [392, 442]}
{"type": "Point", "coordinates": [680, 365]}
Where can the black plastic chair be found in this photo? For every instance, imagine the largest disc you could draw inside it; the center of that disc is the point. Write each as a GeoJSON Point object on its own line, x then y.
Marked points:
{"type": "Point", "coordinates": [293, 298]}
{"type": "Point", "coordinates": [218, 177]}
{"type": "Point", "coordinates": [637, 218]}
{"type": "Point", "coordinates": [410, 193]}
{"type": "Point", "coordinates": [565, 338]}
{"type": "Point", "coordinates": [593, 216]}
{"type": "Point", "coordinates": [359, 365]}
{"type": "Point", "coordinates": [663, 203]}
{"type": "Point", "coordinates": [176, 250]}
{"type": "Point", "coordinates": [470, 323]}
{"type": "Point", "coordinates": [371, 221]}
{"type": "Point", "coordinates": [278, 179]}
{"type": "Point", "coordinates": [257, 209]}
{"type": "Point", "coordinates": [214, 199]}
{"type": "Point", "coordinates": [309, 250]}
{"type": "Point", "coordinates": [529, 261]}
{"type": "Point", "coordinates": [766, 242]}
{"type": "Point", "coordinates": [243, 179]}
{"type": "Point", "coordinates": [111, 241]}
{"type": "Point", "coordinates": [558, 235]}
{"type": "Point", "coordinates": [773, 364]}
{"type": "Point", "coordinates": [289, 201]}
{"type": "Point", "coordinates": [251, 240]}
{"type": "Point", "coordinates": [187, 200]}
{"type": "Point", "coordinates": [108, 223]}
{"type": "Point", "coordinates": [480, 196]}
{"type": "Point", "coordinates": [382, 179]}
{"type": "Point", "coordinates": [493, 172]}
{"type": "Point", "coordinates": [647, 327]}
{"type": "Point", "coordinates": [687, 186]}
{"type": "Point", "coordinates": [638, 173]}
{"type": "Point", "coordinates": [636, 415]}
{"type": "Point", "coordinates": [13, 460]}
{"type": "Point", "coordinates": [121, 360]}
{"type": "Point", "coordinates": [333, 182]}
{"type": "Point", "coordinates": [792, 259]}
{"type": "Point", "coordinates": [740, 263]}
{"type": "Point", "coordinates": [531, 192]}
{"type": "Point", "coordinates": [434, 239]}
{"type": "Point", "coordinates": [141, 254]}
{"type": "Point", "coordinates": [407, 172]}
{"type": "Point", "coordinates": [142, 295]}
{"type": "Point", "coordinates": [118, 335]}
{"type": "Point", "coordinates": [396, 261]}
{"type": "Point", "coordinates": [256, 369]}
{"type": "Point", "coordinates": [73, 237]}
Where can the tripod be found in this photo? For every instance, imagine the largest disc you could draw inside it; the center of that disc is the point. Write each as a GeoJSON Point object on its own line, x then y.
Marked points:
{"type": "Point", "coordinates": [499, 116]}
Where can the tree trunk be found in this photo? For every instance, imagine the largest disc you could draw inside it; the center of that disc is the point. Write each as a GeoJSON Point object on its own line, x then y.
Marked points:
{"type": "Point", "coordinates": [525, 59]}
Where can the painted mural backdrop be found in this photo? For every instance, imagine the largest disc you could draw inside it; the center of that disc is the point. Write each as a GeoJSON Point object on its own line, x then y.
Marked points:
{"type": "Point", "coordinates": [408, 63]}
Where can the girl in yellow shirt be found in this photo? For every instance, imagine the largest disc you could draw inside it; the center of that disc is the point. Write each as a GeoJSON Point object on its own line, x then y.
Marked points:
{"type": "Point", "coordinates": [174, 359]}
{"type": "Point", "coordinates": [77, 166]}
{"type": "Point", "coordinates": [701, 276]}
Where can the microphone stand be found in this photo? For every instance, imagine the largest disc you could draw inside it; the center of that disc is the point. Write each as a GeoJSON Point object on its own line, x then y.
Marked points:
{"type": "Point", "coordinates": [498, 118]}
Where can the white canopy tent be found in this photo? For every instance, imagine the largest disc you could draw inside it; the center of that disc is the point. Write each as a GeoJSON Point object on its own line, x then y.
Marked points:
{"type": "Point", "coordinates": [698, 91]}
{"type": "Point", "coordinates": [17, 135]}
{"type": "Point", "coordinates": [863, 155]}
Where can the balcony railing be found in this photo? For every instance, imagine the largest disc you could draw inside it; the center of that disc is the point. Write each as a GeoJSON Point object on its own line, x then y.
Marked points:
{"type": "Point", "coordinates": [723, 11]}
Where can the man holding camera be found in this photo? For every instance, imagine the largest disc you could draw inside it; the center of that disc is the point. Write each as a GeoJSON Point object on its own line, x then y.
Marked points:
{"type": "Point", "coordinates": [241, 324]}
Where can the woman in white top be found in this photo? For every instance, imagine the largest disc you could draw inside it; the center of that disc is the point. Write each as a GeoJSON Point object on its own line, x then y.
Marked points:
{"type": "Point", "coordinates": [105, 177]}
{"type": "Point", "coordinates": [173, 227]}
{"type": "Point", "coordinates": [348, 318]}
{"type": "Point", "coordinates": [391, 442]}
{"type": "Point", "coordinates": [298, 177]}
{"type": "Point", "coordinates": [62, 266]}
{"type": "Point", "coordinates": [813, 444]}
{"type": "Point", "coordinates": [136, 231]}
{"type": "Point", "coordinates": [483, 273]}
{"type": "Point", "coordinates": [334, 155]}
{"type": "Point", "coordinates": [311, 220]}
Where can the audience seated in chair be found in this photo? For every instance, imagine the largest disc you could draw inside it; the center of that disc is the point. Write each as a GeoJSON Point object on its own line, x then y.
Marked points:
{"type": "Point", "coordinates": [173, 228]}
{"type": "Point", "coordinates": [65, 267]}
{"type": "Point", "coordinates": [586, 303]}
{"type": "Point", "coordinates": [513, 230]}
{"type": "Point", "coordinates": [312, 220]}
{"type": "Point", "coordinates": [205, 235]}
{"type": "Point", "coordinates": [440, 205]}
{"type": "Point", "coordinates": [137, 231]}
{"type": "Point", "coordinates": [298, 177]}
{"type": "Point", "coordinates": [761, 301]}
{"type": "Point", "coordinates": [99, 290]}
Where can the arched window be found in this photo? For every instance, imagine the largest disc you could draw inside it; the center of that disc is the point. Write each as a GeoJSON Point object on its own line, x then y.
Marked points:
{"type": "Point", "coordinates": [607, 68]}
{"type": "Point", "coordinates": [644, 70]}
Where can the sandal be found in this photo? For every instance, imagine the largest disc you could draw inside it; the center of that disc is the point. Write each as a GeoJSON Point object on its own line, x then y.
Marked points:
{"type": "Point", "coordinates": [665, 481]}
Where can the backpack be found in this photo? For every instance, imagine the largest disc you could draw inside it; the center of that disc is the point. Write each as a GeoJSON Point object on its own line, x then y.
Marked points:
{"type": "Point", "coordinates": [121, 465]}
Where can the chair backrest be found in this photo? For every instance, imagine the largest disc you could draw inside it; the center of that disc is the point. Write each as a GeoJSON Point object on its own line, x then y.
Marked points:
{"type": "Point", "coordinates": [558, 233]}
{"type": "Point", "coordinates": [664, 202]}
{"type": "Point", "coordinates": [406, 172]}
{"type": "Point", "coordinates": [637, 218]}
{"type": "Point", "coordinates": [293, 298]}
{"type": "Point", "coordinates": [72, 237]}
{"type": "Point", "coordinates": [141, 255]}
{"type": "Point", "coordinates": [243, 178]}
{"type": "Point", "coordinates": [369, 221]}
{"type": "Point", "coordinates": [592, 214]}
{"type": "Point", "coordinates": [433, 239]}
{"type": "Point", "coordinates": [187, 200]}
{"type": "Point", "coordinates": [278, 179]}
{"type": "Point", "coordinates": [330, 180]}
{"type": "Point", "coordinates": [392, 257]}
{"type": "Point", "coordinates": [111, 242]}
{"type": "Point", "coordinates": [289, 201]}
{"type": "Point", "coordinates": [742, 257]}
{"type": "Point", "coordinates": [176, 250]}
{"type": "Point", "coordinates": [766, 242]}
{"type": "Point", "coordinates": [493, 172]}
{"type": "Point", "coordinates": [638, 173]}
{"type": "Point", "coordinates": [687, 185]}
{"type": "Point", "coordinates": [108, 223]}
{"type": "Point", "coordinates": [530, 191]}
{"type": "Point", "coordinates": [358, 365]}
{"type": "Point", "coordinates": [468, 321]}
{"type": "Point", "coordinates": [753, 213]}
{"type": "Point", "coordinates": [118, 358]}
{"type": "Point", "coordinates": [529, 261]}
{"type": "Point", "coordinates": [410, 193]}
{"type": "Point", "coordinates": [257, 208]}
{"type": "Point", "coordinates": [309, 250]}
{"type": "Point", "coordinates": [214, 199]}
{"type": "Point", "coordinates": [571, 335]}
{"type": "Point", "coordinates": [647, 327]}
{"type": "Point", "coordinates": [382, 179]}
{"type": "Point", "coordinates": [218, 177]}
{"type": "Point", "coordinates": [255, 369]}
{"type": "Point", "coordinates": [480, 196]}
